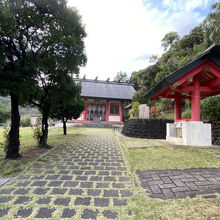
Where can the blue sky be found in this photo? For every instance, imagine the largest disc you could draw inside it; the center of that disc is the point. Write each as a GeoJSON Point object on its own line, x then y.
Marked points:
{"type": "Point", "coordinates": [123, 34]}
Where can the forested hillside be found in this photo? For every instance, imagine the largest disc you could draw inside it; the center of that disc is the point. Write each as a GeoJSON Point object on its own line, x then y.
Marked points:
{"type": "Point", "coordinates": [177, 53]}
{"type": "Point", "coordinates": [23, 110]}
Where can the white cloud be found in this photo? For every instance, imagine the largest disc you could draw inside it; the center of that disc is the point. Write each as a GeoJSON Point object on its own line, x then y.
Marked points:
{"type": "Point", "coordinates": [121, 33]}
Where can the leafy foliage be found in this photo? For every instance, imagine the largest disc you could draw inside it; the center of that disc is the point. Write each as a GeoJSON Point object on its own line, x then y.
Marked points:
{"type": "Point", "coordinates": [134, 111]}
{"type": "Point", "coordinates": [121, 77]}
{"type": "Point", "coordinates": [25, 121]}
{"type": "Point", "coordinates": [5, 143]}
{"type": "Point", "coordinates": [37, 134]}
{"type": "Point", "coordinates": [4, 113]}
{"type": "Point", "coordinates": [178, 52]}
{"type": "Point", "coordinates": [210, 108]}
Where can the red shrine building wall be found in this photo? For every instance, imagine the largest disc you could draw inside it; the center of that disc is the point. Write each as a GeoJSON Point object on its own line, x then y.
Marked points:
{"type": "Point", "coordinates": [101, 110]}
{"type": "Point", "coordinates": [104, 100]}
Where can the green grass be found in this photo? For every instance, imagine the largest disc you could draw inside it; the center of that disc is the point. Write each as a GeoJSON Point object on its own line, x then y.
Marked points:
{"type": "Point", "coordinates": [143, 154]}
{"type": "Point", "coordinates": [29, 149]}
{"type": "Point", "coordinates": [164, 156]}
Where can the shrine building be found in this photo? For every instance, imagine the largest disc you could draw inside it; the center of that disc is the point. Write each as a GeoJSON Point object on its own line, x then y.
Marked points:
{"type": "Point", "coordinates": [197, 80]}
{"type": "Point", "coordinates": [104, 100]}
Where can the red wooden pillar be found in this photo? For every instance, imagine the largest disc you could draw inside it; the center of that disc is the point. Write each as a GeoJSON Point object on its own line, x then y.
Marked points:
{"type": "Point", "coordinates": [195, 100]}
{"type": "Point", "coordinates": [177, 108]}
{"type": "Point", "coordinates": [86, 112]}
{"type": "Point", "coordinates": [121, 111]}
{"type": "Point", "coordinates": [106, 111]}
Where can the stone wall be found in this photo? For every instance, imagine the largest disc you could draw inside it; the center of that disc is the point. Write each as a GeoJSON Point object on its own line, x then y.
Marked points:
{"type": "Point", "coordinates": [156, 129]}
{"type": "Point", "coordinates": [146, 128]}
{"type": "Point", "coordinates": [216, 132]}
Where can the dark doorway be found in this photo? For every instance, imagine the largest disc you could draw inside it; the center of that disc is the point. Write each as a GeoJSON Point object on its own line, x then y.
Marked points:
{"type": "Point", "coordinates": [96, 112]}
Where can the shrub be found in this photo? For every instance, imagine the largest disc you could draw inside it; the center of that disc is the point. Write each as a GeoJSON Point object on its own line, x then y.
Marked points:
{"type": "Point", "coordinates": [5, 143]}
{"type": "Point", "coordinates": [134, 111]}
{"type": "Point", "coordinates": [37, 133]}
{"type": "Point", "coordinates": [25, 121]}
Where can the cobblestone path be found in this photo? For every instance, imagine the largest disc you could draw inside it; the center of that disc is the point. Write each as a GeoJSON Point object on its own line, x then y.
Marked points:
{"type": "Point", "coordinates": [171, 184]}
{"type": "Point", "coordinates": [84, 179]}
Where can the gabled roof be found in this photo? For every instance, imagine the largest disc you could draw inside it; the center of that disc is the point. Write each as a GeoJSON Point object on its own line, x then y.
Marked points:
{"type": "Point", "coordinates": [106, 89]}
{"type": "Point", "coordinates": [210, 54]}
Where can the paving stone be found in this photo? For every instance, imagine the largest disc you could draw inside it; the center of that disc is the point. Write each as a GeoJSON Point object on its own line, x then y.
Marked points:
{"type": "Point", "coordinates": [66, 177]}
{"type": "Point", "coordinates": [57, 191]}
{"type": "Point", "coordinates": [4, 211]}
{"type": "Point", "coordinates": [38, 177]}
{"type": "Point", "coordinates": [168, 194]}
{"type": "Point", "coordinates": [45, 200]}
{"type": "Point", "coordinates": [111, 193]}
{"type": "Point", "coordinates": [82, 201]}
{"type": "Point", "coordinates": [109, 178]}
{"type": "Point", "coordinates": [5, 199]}
{"type": "Point", "coordinates": [55, 183]}
{"type": "Point", "coordinates": [110, 214]}
{"type": "Point", "coordinates": [70, 184]}
{"type": "Point", "coordinates": [118, 185]}
{"type": "Point", "coordinates": [21, 191]}
{"type": "Point", "coordinates": [87, 173]}
{"type": "Point", "coordinates": [23, 184]}
{"type": "Point", "coordinates": [89, 214]}
{"type": "Point", "coordinates": [45, 213]}
{"type": "Point", "coordinates": [64, 172]}
{"type": "Point", "coordinates": [120, 202]}
{"type": "Point", "coordinates": [22, 200]}
{"type": "Point", "coordinates": [126, 193]}
{"type": "Point", "coordinates": [68, 213]}
{"type": "Point", "coordinates": [39, 183]}
{"type": "Point", "coordinates": [77, 172]}
{"type": "Point", "coordinates": [52, 177]}
{"type": "Point", "coordinates": [95, 178]}
{"type": "Point", "coordinates": [102, 185]}
{"type": "Point", "coordinates": [62, 201]}
{"type": "Point", "coordinates": [116, 173]}
{"type": "Point", "coordinates": [24, 212]}
{"type": "Point", "coordinates": [101, 202]}
{"type": "Point", "coordinates": [103, 173]}
{"type": "Point", "coordinates": [83, 178]}
{"type": "Point", "coordinates": [124, 179]}
{"type": "Point", "coordinates": [41, 191]}
{"type": "Point", "coordinates": [94, 192]}
{"type": "Point", "coordinates": [75, 192]}
{"type": "Point", "coordinates": [6, 191]}
{"type": "Point", "coordinates": [86, 184]}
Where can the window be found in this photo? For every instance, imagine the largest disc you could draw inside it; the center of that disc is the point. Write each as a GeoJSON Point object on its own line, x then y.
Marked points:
{"type": "Point", "coordinates": [114, 109]}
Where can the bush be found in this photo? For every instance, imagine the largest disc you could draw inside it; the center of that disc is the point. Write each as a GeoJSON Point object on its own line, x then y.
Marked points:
{"type": "Point", "coordinates": [37, 133]}
{"type": "Point", "coordinates": [25, 121]}
{"type": "Point", "coordinates": [210, 108]}
{"type": "Point", "coordinates": [5, 143]}
{"type": "Point", "coordinates": [134, 111]}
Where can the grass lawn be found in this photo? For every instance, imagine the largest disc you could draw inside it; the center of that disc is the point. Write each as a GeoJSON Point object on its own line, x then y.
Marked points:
{"type": "Point", "coordinates": [151, 154]}
{"type": "Point", "coordinates": [29, 150]}
{"type": "Point", "coordinates": [143, 154]}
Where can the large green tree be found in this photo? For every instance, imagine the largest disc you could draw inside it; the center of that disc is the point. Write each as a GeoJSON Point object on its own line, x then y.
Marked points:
{"type": "Point", "coordinates": [38, 38]}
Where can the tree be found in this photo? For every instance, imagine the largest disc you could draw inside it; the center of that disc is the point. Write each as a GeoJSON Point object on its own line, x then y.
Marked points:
{"type": "Point", "coordinates": [68, 103]}
{"type": "Point", "coordinates": [37, 38]}
{"type": "Point", "coordinates": [212, 24]}
{"type": "Point", "coordinates": [169, 39]}
{"type": "Point", "coordinates": [121, 77]}
{"type": "Point", "coordinates": [210, 108]}
{"type": "Point", "coordinates": [4, 113]}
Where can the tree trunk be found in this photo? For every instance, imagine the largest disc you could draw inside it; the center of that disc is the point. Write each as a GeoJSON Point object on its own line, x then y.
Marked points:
{"type": "Point", "coordinates": [43, 139]}
{"type": "Point", "coordinates": [13, 146]}
{"type": "Point", "coordinates": [64, 126]}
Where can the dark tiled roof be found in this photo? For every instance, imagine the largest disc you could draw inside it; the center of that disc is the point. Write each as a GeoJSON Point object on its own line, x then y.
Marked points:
{"type": "Point", "coordinates": [212, 53]}
{"type": "Point", "coordinates": [106, 89]}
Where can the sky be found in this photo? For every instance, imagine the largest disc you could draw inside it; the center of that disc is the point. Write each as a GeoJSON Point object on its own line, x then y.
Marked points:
{"type": "Point", "coordinates": [123, 34]}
